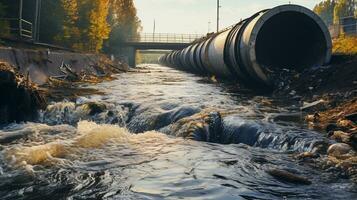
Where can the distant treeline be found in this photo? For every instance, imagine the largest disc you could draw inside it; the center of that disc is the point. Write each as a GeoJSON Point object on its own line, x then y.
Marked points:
{"type": "Point", "coordinates": [87, 25]}
{"type": "Point", "coordinates": [331, 11]}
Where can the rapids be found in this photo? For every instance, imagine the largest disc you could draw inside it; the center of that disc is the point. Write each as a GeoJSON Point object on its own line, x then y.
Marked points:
{"type": "Point", "coordinates": [158, 133]}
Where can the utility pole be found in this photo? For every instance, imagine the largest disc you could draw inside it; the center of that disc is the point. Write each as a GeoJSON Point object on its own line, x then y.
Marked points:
{"type": "Point", "coordinates": [209, 27]}
{"type": "Point", "coordinates": [20, 18]}
{"type": "Point", "coordinates": [153, 31]}
{"type": "Point", "coordinates": [39, 21]}
{"type": "Point", "coordinates": [36, 34]}
{"type": "Point", "coordinates": [218, 7]}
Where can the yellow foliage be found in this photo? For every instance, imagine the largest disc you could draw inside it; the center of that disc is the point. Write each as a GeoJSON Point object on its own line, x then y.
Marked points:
{"type": "Point", "coordinates": [99, 28]}
{"type": "Point", "coordinates": [345, 45]}
{"type": "Point", "coordinates": [71, 32]}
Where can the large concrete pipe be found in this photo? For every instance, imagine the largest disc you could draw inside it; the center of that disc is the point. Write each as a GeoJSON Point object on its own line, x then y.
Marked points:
{"type": "Point", "coordinates": [284, 37]}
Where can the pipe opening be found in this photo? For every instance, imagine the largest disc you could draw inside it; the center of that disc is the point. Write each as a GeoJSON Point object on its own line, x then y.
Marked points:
{"type": "Point", "coordinates": [291, 40]}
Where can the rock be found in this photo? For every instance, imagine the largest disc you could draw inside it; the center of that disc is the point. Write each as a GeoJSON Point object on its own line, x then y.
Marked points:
{"type": "Point", "coordinates": [230, 162]}
{"type": "Point", "coordinates": [260, 160]}
{"type": "Point", "coordinates": [94, 108]}
{"type": "Point", "coordinates": [306, 155]}
{"type": "Point", "coordinates": [341, 136]}
{"type": "Point", "coordinates": [339, 149]}
{"type": "Point", "coordinates": [210, 129]}
{"type": "Point", "coordinates": [352, 117]}
{"type": "Point", "coordinates": [331, 127]}
{"type": "Point", "coordinates": [8, 137]}
{"type": "Point", "coordinates": [353, 139]}
{"type": "Point", "coordinates": [345, 123]}
{"type": "Point", "coordinates": [205, 126]}
{"type": "Point", "coordinates": [293, 93]}
{"type": "Point", "coordinates": [238, 130]}
{"type": "Point", "coordinates": [284, 175]}
{"type": "Point", "coordinates": [147, 118]}
{"type": "Point", "coordinates": [320, 147]}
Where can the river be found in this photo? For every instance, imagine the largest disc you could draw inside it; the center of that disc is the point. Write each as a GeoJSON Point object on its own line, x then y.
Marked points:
{"type": "Point", "coordinates": [133, 143]}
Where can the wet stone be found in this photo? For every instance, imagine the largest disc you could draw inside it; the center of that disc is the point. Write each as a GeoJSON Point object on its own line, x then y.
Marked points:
{"type": "Point", "coordinates": [306, 155]}
{"type": "Point", "coordinates": [147, 118]}
{"type": "Point", "coordinates": [286, 176]}
{"type": "Point", "coordinates": [230, 162]}
{"type": "Point", "coordinates": [205, 126]}
{"type": "Point", "coordinates": [320, 147]}
{"type": "Point", "coordinates": [341, 136]}
{"type": "Point", "coordinates": [339, 149]}
{"type": "Point", "coordinates": [237, 130]}
{"type": "Point", "coordinates": [331, 127]}
{"type": "Point", "coordinates": [352, 117]}
{"type": "Point", "coordinates": [94, 108]}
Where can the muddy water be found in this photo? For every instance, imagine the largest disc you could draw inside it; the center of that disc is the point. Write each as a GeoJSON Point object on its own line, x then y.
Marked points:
{"type": "Point", "coordinates": [163, 134]}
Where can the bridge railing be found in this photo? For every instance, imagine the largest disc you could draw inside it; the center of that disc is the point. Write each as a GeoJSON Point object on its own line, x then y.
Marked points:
{"type": "Point", "coordinates": [18, 27]}
{"type": "Point", "coordinates": [165, 38]}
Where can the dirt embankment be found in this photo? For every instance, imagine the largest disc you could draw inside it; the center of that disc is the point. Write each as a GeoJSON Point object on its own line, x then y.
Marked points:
{"type": "Point", "coordinates": [328, 96]}
{"type": "Point", "coordinates": [20, 98]}
{"type": "Point", "coordinates": [329, 92]}
{"type": "Point", "coordinates": [28, 77]}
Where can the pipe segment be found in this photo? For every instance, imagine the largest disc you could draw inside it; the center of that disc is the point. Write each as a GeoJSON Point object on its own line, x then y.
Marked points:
{"type": "Point", "coordinates": [285, 37]}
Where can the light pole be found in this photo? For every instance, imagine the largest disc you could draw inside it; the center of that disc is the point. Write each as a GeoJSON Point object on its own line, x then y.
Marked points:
{"type": "Point", "coordinates": [153, 31]}
{"type": "Point", "coordinates": [218, 7]}
{"type": "Point", "coordinates": [37, 21]}
{"type": "Point", "coordinates": [20, 17]}
{"type": "Point", "coordinates": [209, 27]}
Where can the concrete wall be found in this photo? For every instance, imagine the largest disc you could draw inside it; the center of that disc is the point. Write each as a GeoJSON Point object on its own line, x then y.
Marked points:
{"type": "Point", "coordinates": [42, 64]}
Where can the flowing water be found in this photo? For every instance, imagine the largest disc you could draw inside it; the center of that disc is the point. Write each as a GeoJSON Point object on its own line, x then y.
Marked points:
{"type": "Point", "coordinates": [159, 133]}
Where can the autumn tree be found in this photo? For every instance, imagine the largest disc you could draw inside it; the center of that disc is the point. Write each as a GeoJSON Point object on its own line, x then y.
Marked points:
{"type": "Point", "coordinates": [344, 8]}
{"type": "Point", "coordinates": [124, 23]}
{"type": "Point", "coordinates": [71, 34]}
{"type": "Point", "coordinates": [325, 10]}
{"type": "Point", "coordinates": [331, 11]}
{"type": "Point", "coordinates": [99, 28]}
{"type": "Point", "coordinates": [5, 28]}
{"type": "Point", "coordinates": [81, 24]}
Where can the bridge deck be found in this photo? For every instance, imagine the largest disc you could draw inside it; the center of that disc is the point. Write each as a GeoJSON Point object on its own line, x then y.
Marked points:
{"type": "Point", "coordinates": [155, 45]}
{"type": "Point", "coordinates": [165, 41]}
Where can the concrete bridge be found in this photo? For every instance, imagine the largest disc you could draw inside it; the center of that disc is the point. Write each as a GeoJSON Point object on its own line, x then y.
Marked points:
{"type": "Point", "coordinates": [157, 41]}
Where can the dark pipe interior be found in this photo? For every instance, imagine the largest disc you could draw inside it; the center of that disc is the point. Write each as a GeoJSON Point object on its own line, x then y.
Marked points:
{"type": "Point", "coordinates": [290, 40]}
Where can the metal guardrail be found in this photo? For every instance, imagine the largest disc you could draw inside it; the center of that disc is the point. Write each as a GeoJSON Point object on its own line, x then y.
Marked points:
{"type": "Point", "coordinates": [165, 38]}
{"type": "Point", "coordinates": [20, 27]}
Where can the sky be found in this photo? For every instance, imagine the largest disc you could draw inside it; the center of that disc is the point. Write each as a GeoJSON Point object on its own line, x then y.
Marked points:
{"type": "Point", "coordinates": [193, 16]}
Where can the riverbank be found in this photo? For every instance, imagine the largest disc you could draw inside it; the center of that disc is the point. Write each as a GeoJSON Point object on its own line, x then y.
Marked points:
{"type": "Point", "coordinates": [326, 96]}
{"type": "Point", "coordinates": [328, 99]}
{"type": "Point", "coordinates": [42, 65]}
{"type": "Point", "coordinates": [20, 98]}
{"type": "Point", "coordinates": [32, 77]}
{"type": "Point", "coordinates": [133, 132]}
